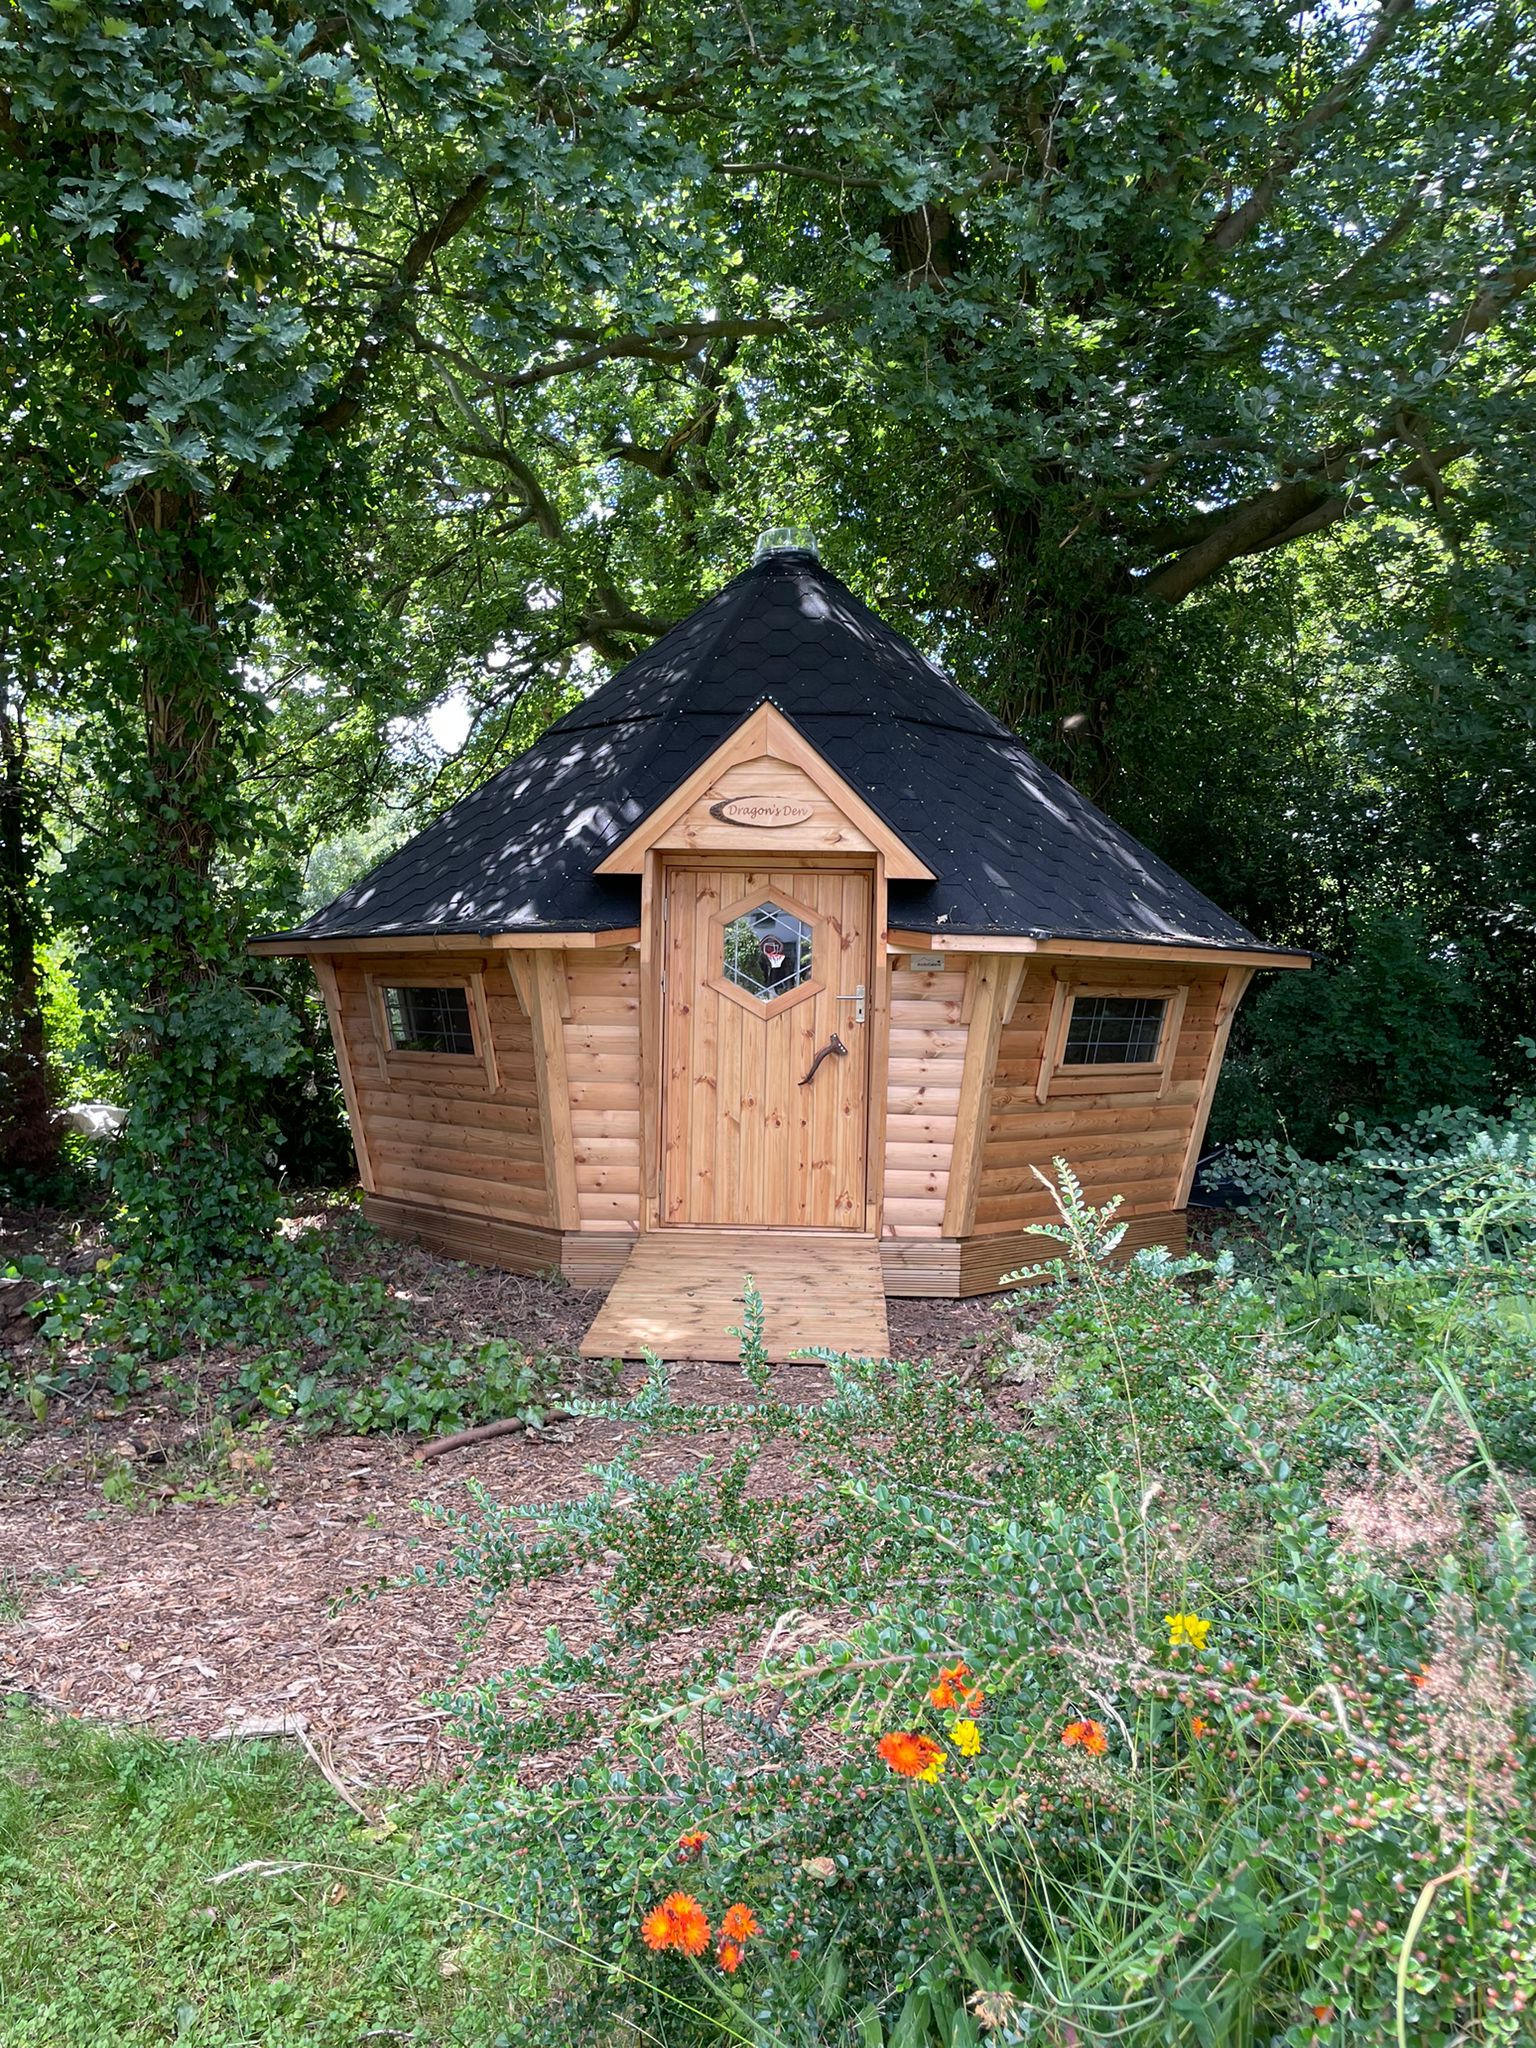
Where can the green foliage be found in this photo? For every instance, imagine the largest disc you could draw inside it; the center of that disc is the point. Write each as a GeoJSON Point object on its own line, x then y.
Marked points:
{"type": "Point", "coordinates": [1293, 1819]}
{"type": "Point", "coordinates": [196, 191]}
{"type": "Point", "coordinates": [431, 1390]}
{"type": "Point", "coordinates": [118, 1930]}
{"type": "Point", "coordinates": [451, 353]}
{"type": "Point", "coordinates": [1454, 1184]}
{"type": "Point", "coordinates": [326, 1353]}
{"type": "Point", "coordinates": [1390, 1031]}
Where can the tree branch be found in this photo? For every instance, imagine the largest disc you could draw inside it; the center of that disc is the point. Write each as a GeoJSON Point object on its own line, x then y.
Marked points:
{"type": "Point", "coordinates": [539, 510]}
{"type": "Point", "coordinates": [820, 177]}
{"type": "Point", "coordinates": [1314, 499]}
{"type": "Point", "coordinates": [669, 342]}
{"type": "Point", "coordinates": [1498, 293]}
{"type": "Point", "coordinates": [1339, 287]}
{"type": "Point", "coordinates": [1276, 517]}
{"type": "Point", "coordinates": [384, 320]}
{"type": "Point", "coordinates": [1247, 529]}
{"type": "Point", "coordinates": [1233, 225]}
{"type": "Point", "coordinates": [615, 630]}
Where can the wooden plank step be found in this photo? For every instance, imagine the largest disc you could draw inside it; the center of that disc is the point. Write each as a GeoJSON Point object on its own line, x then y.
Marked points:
{"type": "Point", "coordinates": [681, 1291]}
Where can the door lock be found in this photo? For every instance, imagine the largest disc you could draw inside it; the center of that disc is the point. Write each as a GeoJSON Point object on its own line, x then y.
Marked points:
{"type": "Point", "coordinates": [857, 998]}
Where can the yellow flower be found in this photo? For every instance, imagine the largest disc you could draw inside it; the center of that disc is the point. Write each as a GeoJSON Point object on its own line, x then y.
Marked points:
{"type": "Point", "coordinates": [966, 1737]}
{"type": "Point", "coordinates": [930, 1776]}
{"type": "Point", "coordinates": [1187, 1628]}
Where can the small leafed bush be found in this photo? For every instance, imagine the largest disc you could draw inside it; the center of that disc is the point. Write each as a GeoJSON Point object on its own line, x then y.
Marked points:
{"type": "Point", "coordinates": [1376, 1036]}
{"type": "Point", "coordinates": [1184, 1696]}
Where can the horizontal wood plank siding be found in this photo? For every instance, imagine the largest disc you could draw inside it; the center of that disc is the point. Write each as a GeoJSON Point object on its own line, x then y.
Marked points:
{"type": "Point", "coordinates": [602, 1065]}
{"type": "Point", "coordinates": [1135, 1148]}
{"type": "Point", "coordinates": [481, 1240]}
{"type": "Point", "coordinates": [927, 1061]}
{"type": "Point", "coordinates": [924, 1268]}
{"type": "Point", "coordinates": [949, 1266]}
{"type": "Point", "coordinates": [453, 1143]}
{"type": "Point", "coordinates": [985, 1259]}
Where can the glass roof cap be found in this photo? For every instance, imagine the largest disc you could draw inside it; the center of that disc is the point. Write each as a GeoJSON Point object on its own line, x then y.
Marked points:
{"type": "Point", "coordinates": [786, 540]}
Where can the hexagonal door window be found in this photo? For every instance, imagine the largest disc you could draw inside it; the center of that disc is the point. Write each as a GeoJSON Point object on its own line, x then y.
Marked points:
{"type": "Point", "coordinates": [767, 952]}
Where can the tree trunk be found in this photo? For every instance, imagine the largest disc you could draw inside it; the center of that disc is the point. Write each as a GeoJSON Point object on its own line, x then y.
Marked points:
{"type": "Point", "coordinates": [1058, 616]}
{"type": "Point", "coordinates": [29, 1139]}
{"type": "Point", "coordinates": [182, 702]}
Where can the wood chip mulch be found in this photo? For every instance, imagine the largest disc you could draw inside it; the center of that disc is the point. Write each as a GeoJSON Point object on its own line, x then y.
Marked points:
{"type": "Point", "coordinates": [232, 1613]}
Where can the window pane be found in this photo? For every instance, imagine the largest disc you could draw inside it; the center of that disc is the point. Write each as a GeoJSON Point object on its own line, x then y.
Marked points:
{"type": "Point", "coordinates": [1113, 1031]}
{"type": "Point", "coordinates": [767, 952]}
{"type": "Point", "coordinates": [429, 1020]}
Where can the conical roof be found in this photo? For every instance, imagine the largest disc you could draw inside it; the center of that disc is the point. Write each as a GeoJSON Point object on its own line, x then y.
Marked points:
{"type": "Point", "coordinates": [1015, 849]}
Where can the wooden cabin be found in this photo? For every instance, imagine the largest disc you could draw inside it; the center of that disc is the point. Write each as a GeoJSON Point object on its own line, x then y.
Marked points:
{"type": "Point", "coordinates": [778, 955]}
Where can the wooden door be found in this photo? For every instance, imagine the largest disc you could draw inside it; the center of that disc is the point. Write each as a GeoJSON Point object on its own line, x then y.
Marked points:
{"type": "Point", "coordinates": [763, 970]}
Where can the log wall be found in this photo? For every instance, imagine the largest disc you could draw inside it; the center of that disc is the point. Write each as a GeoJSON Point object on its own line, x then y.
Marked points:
{"type": "Point", "coordinates": [455, 1161]}
{"type": "Point", "coordinates": [602, 1064]}
{"type": "Point", "coordinates": [1117, 1143]}
{"type": "Point", "coordinates": [455, 1142]}
{"type": "Point", "coordinates": [927, 1061]}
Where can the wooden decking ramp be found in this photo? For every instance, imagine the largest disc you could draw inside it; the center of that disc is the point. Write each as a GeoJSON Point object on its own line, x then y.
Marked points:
{"type": "Point", "coordinates": [680, 1294]}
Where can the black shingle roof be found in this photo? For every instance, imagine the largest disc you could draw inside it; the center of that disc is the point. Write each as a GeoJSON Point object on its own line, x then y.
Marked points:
{"type": "Point", "coordinates": [1015, 849]}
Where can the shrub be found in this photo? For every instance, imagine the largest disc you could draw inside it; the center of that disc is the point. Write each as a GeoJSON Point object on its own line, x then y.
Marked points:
{"type": "Point", "coordinates": [1199, 1737]}
{"type": "Point", "coordinates": [1451, 1182]}
{"type": "Point", "coordinates": [1376, 1037]}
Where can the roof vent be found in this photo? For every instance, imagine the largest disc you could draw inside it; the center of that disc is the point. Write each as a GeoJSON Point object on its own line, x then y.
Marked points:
{"type": "Point", "coordinates": [786, 540]}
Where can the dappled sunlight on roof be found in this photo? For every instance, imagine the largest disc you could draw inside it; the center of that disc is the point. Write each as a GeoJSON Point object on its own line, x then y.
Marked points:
{"type": "Point", "coordinates": [1015, 849]}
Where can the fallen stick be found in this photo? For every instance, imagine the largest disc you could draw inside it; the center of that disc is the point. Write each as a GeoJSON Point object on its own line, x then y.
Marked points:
{"type": "Point", "coordinates": [329, 1772]}
{"type": "Point", "coordinates": [478, 1435]}
{"type": "Point", "coordinates": [258, 1728]}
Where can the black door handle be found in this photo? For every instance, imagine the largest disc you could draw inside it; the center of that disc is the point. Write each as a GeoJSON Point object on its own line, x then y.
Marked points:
{"type": "Point", "coordinates": [833, 1045]}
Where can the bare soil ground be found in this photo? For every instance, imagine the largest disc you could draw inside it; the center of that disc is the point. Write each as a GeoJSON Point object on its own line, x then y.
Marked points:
{"type": "Point", "coordinates": [157, 1568]}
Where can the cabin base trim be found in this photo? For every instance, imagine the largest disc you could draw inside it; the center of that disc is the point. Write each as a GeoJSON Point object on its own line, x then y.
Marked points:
{"type": "Point", "coordinates": [585, 1258]}
{"type": "Point", "coordinates": [933, 1268]}
{"type": "Point", "coordinates": [936, 1268]}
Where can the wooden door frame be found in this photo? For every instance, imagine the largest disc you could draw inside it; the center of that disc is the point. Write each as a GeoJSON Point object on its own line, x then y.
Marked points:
{"type": "Point", "coordinates": [877, 1014]}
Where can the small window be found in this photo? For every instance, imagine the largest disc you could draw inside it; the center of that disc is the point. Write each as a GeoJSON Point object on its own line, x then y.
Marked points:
{"type": "Point", "coordinates": [1114, 1031]}
{"type": "Point", "coordinates": [767, 952]}
{"type": "Point", "coordinates": [429, 1020]}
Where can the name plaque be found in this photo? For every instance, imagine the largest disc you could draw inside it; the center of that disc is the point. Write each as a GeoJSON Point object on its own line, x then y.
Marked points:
{"type": "Point", "coordinates": [762, 813]}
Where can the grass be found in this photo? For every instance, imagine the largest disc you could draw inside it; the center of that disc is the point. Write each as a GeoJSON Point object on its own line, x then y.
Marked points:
{"type": "Point", "coordinates": [113, 1932]}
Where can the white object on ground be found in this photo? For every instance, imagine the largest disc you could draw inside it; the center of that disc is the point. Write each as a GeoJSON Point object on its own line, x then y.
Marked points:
{"type": "Point", "coordinates": [95, 1119]}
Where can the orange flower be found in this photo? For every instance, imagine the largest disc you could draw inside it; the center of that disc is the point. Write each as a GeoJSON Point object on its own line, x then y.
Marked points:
{"type": "Point", "coordinates": [739, 1924]}
{"type": "Point", "coordinates": [691, 1927]}
{"type": "Point", "coordinates": [910, 1755]}
{"type": "Point", "coordinates": [1197, 1727]}
{"type": "Point", "coordinates": [1087, 1734]}
{"type": "Point", "coordinates": [678, 1922]}
{"type": "Point", "coordinates": [656, 1928]}
{"type": "Point", "coordinates": [949, 1691]}
{"type": "Point", "coordinates": [1418, 1678]}
{"type": "Point", "coordinates": [729, 1957]}
{"type": "Point", "coordinates": [691, 1845]}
